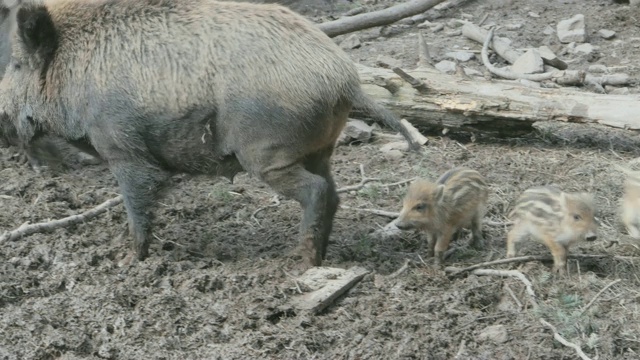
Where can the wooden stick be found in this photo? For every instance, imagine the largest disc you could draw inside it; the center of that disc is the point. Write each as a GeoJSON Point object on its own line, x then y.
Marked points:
{"type": "Point", "coordinates": [564, 341]}
{"type": "Point", "coordinates": [598, 294]}
{"type": "Point", "coordinates": [26, 229]}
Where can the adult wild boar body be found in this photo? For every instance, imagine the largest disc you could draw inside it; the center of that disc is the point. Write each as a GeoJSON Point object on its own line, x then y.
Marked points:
{"type": "Point", "coordinates": [48, 150]}
{"type": "Point", "coordinates": [196, 86]}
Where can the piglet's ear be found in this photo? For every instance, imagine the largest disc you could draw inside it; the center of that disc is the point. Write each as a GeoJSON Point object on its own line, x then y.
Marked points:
{"type": "Point", "coordinates": [37, 31]}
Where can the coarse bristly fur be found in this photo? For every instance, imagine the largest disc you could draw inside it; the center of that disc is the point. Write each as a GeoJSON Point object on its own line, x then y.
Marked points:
{"type": "Point", "coordinates": [630, 203]}
{"type": "Point", "coordinates": [456, 200]}
{"type": "Point", "coordinates": [196, 86]}
{"type": "Point", "coordinates": [555, 218]}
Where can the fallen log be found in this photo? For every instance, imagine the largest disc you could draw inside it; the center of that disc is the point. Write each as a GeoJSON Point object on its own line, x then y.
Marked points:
{"type": "Point", "coordinates": [377, 18]}
{"type": "Point", "coordinates": [500, 107]}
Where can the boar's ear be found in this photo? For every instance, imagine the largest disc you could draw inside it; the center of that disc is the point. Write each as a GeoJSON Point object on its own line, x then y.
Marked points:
{"type": "Point", "coordinates": [37, 31]}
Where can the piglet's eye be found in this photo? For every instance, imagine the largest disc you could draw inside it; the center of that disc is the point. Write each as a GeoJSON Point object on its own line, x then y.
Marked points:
{"type": "Point", "coordinates": [16, 66]}
{"type": "Point", "coordinates": [420, 207]}
{"type": "Point", "coordinates": [577, 217]}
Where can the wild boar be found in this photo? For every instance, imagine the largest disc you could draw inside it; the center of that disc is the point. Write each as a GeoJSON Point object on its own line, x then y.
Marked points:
{"type": "Point", "coordinates": [456, 200]}
{"type": "Point", "coordinates": [159, 87]}
{"type": "Point", "coordinates": [630, 203]}
{"type": "Point", "coordinates": [46, 151]}
{"type": "Point", "coordinates": [555, 218]}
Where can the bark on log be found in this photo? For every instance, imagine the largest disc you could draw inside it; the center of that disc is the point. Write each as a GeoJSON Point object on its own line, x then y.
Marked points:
{"type": "Point", "coordinates": [499, 107]}
{"type": "Point", "coordinates": [377, 18]}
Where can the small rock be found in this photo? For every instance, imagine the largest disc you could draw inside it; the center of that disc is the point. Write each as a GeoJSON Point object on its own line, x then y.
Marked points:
{"type": "Point", "coordinates": [394, 154]}
{"type": "Point", "coordinates": [455, 23]}
{"type": "Point", "coordinates": [513, 27]}
{"type": "Point", "coordinates": [396, 145]}
{"type": "Point", "coordinates": [616, 90]}
{"type": "Point", "coordinates": [585, 49]}
{"type": "Point", "coordinates": [494, 333]}
{"type": "Point", "coordinates": [462, 56]}
{"type": "Point", "coordinates": [606, 34]}
{"type": "Point", "coordinates": [418, 18]}
{"type": "Point", "coordinates": [446, 66]}
{"type": "Point", "coordinates": [453, 33]}
{"type": "Point", "coordinates": [358, 130]}
{"type": "Point", "coordinates": [472, 72]}
{"type": "Point", "coordinates": [572, 29]}
{"type": "Point", "coordinates": [549, 57]}
{"type": "Point", "coordinates": [598, 69]}
{"type": "Point", "coordinates": [437, 27]}
{"type": "Point", "coordinates": [533, 15]}
{"type": "Point", "coordinates": [528, 63]}
{"type": "Point", "coordinates": [387, 61]}
{"type": "Point", "coordinates": [548, 30]}
{"type": "Point", "coordinates": [352, 42]}
{"type": "Point", "coordinates": [426, 24]}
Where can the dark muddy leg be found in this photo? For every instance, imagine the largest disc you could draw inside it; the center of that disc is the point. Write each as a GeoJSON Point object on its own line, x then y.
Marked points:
{"type": "Point", "coordinates": [310, 190]}
{"type": "Point", "coordinates": [477, 239]}
{"type": "Point", "coordinates": [139, 184]}
{"type": "Point", "coordinates": [320, 164]}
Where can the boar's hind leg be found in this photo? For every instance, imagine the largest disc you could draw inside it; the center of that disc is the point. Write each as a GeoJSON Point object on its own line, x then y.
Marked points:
{"type": "Point", "coordinates": [139, 184]}
{"type": "Point", "coordinates": [320, 164]}
{"type": "Point", "coordinates": [290, 178]}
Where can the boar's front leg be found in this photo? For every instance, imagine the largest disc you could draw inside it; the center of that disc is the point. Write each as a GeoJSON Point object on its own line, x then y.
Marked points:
{"type": "Point", "coordinates": [139, 183]}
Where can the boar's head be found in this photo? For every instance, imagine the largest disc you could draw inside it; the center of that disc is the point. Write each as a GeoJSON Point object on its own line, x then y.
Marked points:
{"type": "Point", "coordinates": [23, 90]}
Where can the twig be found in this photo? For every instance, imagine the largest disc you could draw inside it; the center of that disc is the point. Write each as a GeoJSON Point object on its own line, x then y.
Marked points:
{"type": "Point", "coordinates": [363, 181]}
{"type": "Point", "coordinates": [513, 296]}
{"type": "Point", "coordinates": [423, 52]}
{"type": "Point", "coordinates": [402, 269]}
{"type": "Point", "coordinates": [417, 84]}
{"type": "Point", "coordinates": [510, 273]}
{"type": "Point", "coordinates": [484, 18]}
{"type": "Point", "coordinates": [456, 271]}
{"type": "Point", "coordinates": [598, 294]}
{"type": "Point", "coordinates": [26, 229]}
{"type": "Point", "coordinates": [275, 201]}
{"type": "Point", "coordinates": [389, 214]}
{"type": "Point", "coordinates": [564, 341]}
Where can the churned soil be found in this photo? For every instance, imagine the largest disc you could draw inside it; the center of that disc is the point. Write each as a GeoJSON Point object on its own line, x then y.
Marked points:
{"type": "Point", "coordinates": [218, 280]}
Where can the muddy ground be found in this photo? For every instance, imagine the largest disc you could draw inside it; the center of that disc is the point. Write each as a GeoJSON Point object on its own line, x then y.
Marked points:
{"type": "Point", "coordinates": [217, 280]}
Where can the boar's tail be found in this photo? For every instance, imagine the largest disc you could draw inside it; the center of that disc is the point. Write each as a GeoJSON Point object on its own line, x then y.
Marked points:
{"type": "Point", "coordinates": [379, 113]}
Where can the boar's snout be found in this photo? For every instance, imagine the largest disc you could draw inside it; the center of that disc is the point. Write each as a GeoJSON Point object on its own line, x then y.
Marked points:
{"type": "Point", "coordinates": [591, 237]}
{"type": "Point", "coordinates": [402, 225]}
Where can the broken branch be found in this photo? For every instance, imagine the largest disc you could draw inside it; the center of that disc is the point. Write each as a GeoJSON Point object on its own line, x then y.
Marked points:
{"type": "Point", "coordinates": [598, 294]}
{"type": "Point", "coordinates": [510, 273]}
{"type": "Point", "coordinates": [564, 341]}
{"type": "Point", "coordinates": [26, 229]}
{"type": "Point", "coordinates": [275, 201]}
{"type": "Point", "coordinates": [377, 18]}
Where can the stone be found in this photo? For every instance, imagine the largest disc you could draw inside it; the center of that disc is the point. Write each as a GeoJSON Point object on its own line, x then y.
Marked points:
{"type": "Point", "coordinates": [358, 130]}
{"type": "Point", "coordinates": [396, 145]}
{"type": "Point", "coordinates": [598, 69]}
{"type": "Point", "coordinates": [572, 30]}
{"type": "Point", "coordinates": [585, 49]}
{"type": "Point", "coordinates": [462, 56]}
{"type": "Point", "coordinates": [387, 61]}
{"type": "Point", "coordinates": [472, 72]}
{"type": "Point", "coordinates": [533, 14]}
{"type": "Point", "coordinates": [606, 34]}
{"type": "Point", "coordinates": [617, 90]}
{"type": "Point", "coordinates": [548, 30]}
{"type": "Point", "coordinates": [550, 58]}
{"type": "Point", "coordinates": [528, 63]}
{"type": "Point", "coordinates": [446, 66]}
{"type": "Point", "coordinates": [393, 154]}
{"type": "Point", "coordinates": [352, 42]}
{"type": "Point", "coordinates": [513, 27]}
{"type": "Point", "coordinates": [529, 83]}
{"type": "Point", "coordinates": [494, 333]}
